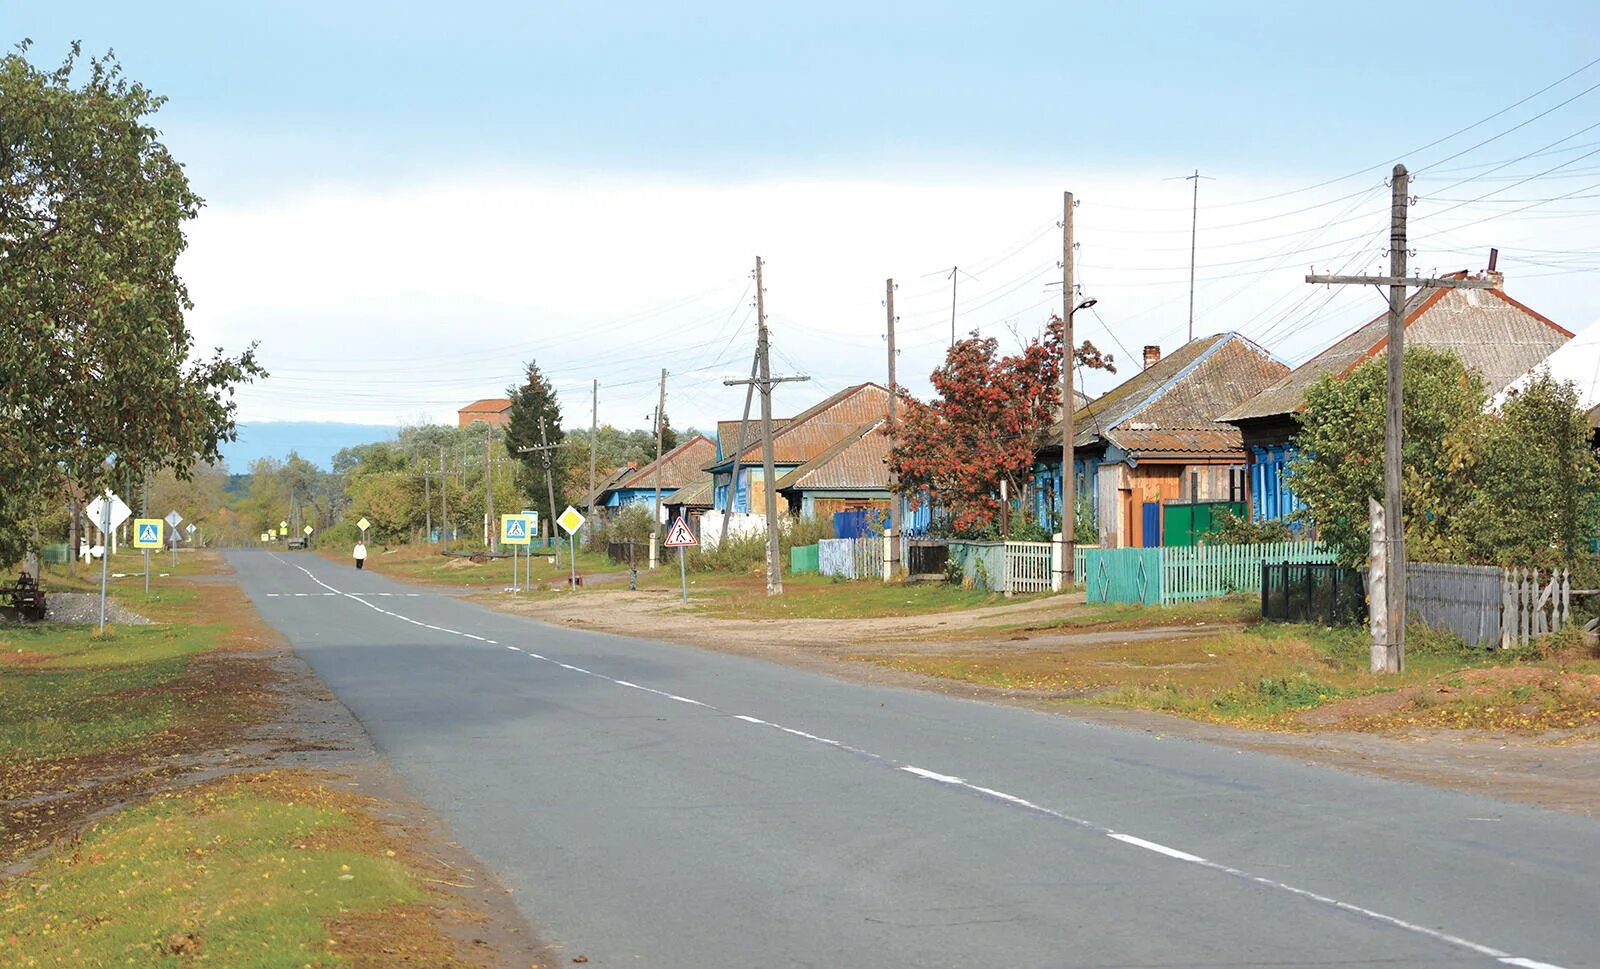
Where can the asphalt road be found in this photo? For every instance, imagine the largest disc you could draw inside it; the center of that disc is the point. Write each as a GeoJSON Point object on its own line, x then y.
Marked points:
{"type": "Point", "coordinates": [660, 806]}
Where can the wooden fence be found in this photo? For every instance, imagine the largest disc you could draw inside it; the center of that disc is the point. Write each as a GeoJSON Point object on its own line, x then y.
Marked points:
{"type": "Point", "coordinates": [851, 558]}
{"type": "Point", "coordinates": [1464, 599]}
{"type": "Point", "coordinates": [1167, 575]}
{"type": "Point", "coordinates": [1533, 607]}
{"type": "Point", "coordinates": [1027, 567]}
{"type": "Point", "coordinates": [867, 550]}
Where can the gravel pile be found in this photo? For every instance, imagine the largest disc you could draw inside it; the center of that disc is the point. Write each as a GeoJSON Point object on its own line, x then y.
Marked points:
{"type": "Point", "coordinates": [84, 607]}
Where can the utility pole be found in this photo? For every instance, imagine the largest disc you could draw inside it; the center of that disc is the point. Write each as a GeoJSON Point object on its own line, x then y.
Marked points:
{"type": "Point", "coordinates": [738, 452]}
{"type": "Point", "coordinates": [1069, 429]}
{"type": "Point", "coordinates": [427, 502]}
{"type": "Point", "coordinates": [955, 271]}
{"type": "Point", "coordinates": [444, 499]}
{"type": "Point", "coordinates": [764, 381]}
{"type": "Point", "coordinates": [1389, 644]}
{"type": "Point", "coordinates": [594, 436]}
{"type": "Point", "coordinates": [1194, 226]}
{"type": "Point", "coordinates": [894, 392]}
{"type": "Point", "coordinates": [661, 408]}
{"type": "Point", "coordinates": [549, 490]}
{"type": "Point", "coordinates": [489, 532]}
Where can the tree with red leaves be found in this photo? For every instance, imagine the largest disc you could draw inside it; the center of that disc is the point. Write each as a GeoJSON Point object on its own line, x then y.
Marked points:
{"type": "Point", "coordinates": [990, 415]}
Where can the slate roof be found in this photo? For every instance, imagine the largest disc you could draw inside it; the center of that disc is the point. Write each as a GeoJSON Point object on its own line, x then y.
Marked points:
{"type": "Point", "coordinates": [818, 427]}
{"type": "Point", "coordinates": [699, 494]}
{"type": "Point", "coordinates": [605, 484]}
{"type": "Point", "coordinates": [1172, 406]}
{"type": "Point", "coordinates": [678, 467]}
{"type": "Point", "coordinates": [1576, 362]}
{"type": "Point", "coordinates": [1493, 334]}
{"type": "Point", "coordinates": [859, 461]}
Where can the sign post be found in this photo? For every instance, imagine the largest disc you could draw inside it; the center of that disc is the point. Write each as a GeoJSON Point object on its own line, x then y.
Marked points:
{"type": "Point", "coordinates": [146, 536]}
{"type": "Point", "coordinates": [173, 521]}
{"type": "Point", "coordinates": [570, 521]}
{"type": "Point", "coordinates": [514, 532]}
{"type": "Point", "coordinates": [680, 537]}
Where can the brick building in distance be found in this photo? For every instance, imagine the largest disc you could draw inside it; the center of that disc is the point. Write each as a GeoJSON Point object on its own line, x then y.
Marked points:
{"type": "Point", "coordinates": [494, 411]}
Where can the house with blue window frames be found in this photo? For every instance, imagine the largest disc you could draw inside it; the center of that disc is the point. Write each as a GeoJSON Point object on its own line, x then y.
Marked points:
{"type": "Point", "coordinates": [1494, 335]}
{"type": "Point", "coordinates": [1155, 439]}
{"type": "Point", "coordinates": [677, 469]}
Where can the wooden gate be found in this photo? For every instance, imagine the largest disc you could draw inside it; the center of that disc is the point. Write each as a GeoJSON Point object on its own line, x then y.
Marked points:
{"type": "Point", "coordinates": [1027, 567]}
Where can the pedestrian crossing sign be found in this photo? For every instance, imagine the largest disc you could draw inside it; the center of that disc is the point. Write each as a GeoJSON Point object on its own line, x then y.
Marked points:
{"type": "Point", "coordinates": [147, 532]}
{"type": "Point", "coordinates": [514, 529]}
{"type": "Point", "coordinates": [679, 535]}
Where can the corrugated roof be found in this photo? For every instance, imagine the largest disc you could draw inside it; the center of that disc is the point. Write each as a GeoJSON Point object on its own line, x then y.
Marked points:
{"type": "Point", "coordinates": [821, 425]}
{"type": "Point", "coordinates": [1493, 334]}
{"type": "Point", "coordinates": [678, 467]}
{"type": "Point", "coordinates": [1172, 405]}
{"type": "Point", "coordinates": [605, 484]}
{"type": "Point", "coordinates": [857, 461]}
{"type": "Point", "coordinates": [490, 405]}
{"type": "Point", "coordinates": [700, 493]}
{"type": "Point", "coordinates": [728, 432]}
{"type": "Point", "coordinates": [1576, 362]}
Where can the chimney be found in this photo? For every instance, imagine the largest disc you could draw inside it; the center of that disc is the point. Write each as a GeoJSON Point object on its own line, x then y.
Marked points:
{"type": "Point", "coordinates": [1152, 355]}
{"type": "Point", "coordinates": [1495, 275]}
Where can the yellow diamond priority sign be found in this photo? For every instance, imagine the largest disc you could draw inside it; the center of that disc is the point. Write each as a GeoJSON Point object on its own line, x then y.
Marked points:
{"type": "Point", "coordinates": [571, 520]}
{"type": "Point", "coordinates": [363, 524]}
{"type": "Point", "coordinates": [307, 530]}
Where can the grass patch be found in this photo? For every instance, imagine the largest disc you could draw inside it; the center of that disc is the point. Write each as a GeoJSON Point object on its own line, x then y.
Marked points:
{"type": "Point", "coordinates": [250, 871]}
{"type": "Point", "coordinates": [818, 597]}
{"type": "Point", "coordinates": [1293, 677]}
{"type": "Point", "coordinates": [425, 564]}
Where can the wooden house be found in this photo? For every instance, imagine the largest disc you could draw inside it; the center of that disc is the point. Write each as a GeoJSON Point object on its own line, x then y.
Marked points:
{"type": "Point", "coordinates": [1155, 439]}
{"type": "Point", "coordinates": [677, 468]}
{"type": "Point", "coordinates": [799, 440]}
{"type": "Point", "coordinates": [1494, 335]}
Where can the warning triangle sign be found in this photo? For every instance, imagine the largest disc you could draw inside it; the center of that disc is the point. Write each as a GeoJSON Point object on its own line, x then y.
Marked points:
{"type": "Point", "coordinates": [679, 535]}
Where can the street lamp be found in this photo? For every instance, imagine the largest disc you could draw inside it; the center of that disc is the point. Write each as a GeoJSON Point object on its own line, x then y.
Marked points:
{"type": "Point", "coordinates": [1069, 503]}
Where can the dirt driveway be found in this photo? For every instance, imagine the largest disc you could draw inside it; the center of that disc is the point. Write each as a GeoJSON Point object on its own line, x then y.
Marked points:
{"type": "Point", "coordinates": [1559, 771]}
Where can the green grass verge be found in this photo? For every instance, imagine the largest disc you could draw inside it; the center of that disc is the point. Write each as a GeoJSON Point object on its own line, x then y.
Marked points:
{"type": "Point", "coordinates": [224, 875]}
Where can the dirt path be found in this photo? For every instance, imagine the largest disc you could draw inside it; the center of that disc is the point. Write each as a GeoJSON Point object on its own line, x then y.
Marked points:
{"type": "Point", "coordinates": [1558, 769]}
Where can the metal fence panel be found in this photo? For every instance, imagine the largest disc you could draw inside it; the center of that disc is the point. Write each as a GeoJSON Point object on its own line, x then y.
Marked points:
{"type": "Point", "coordinates": [1464, 599]}
{"type": "Point", "coordinates": [1324, 593]}
{"type": "Point", "coordinates": [1123, 575]}
{"type": "Point", "coordinates": [803, 559]}
{"type": "Point", "coordinates": [836, 556]}
{"type": "Point", "coordinates": [982, 564]}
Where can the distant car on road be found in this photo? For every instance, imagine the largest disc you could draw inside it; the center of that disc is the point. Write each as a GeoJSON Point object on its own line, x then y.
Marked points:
{"type": "Point", "coordinates": [297, 543]}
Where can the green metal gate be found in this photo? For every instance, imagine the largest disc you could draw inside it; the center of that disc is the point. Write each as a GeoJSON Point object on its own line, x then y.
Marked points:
{"type": "Point", "coordinates": [1185, 524]}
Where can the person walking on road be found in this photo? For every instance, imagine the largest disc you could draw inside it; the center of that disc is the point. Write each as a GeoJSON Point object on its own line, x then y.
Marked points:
{"type": "Point", "coordinates": [361, 554]}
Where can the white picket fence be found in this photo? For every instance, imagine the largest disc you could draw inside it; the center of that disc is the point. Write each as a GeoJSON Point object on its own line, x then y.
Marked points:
{"type": "Point", "coordinates": [1533, 607]}
{"type": "Point", "coordinates": [1027, 567]}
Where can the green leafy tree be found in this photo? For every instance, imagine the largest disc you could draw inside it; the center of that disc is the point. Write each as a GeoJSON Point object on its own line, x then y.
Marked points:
{"type": "Point", "coordinates": [1539, 499]}
{"type": "Point", "coordinates": [1341, 453]}
{"type": "Point", "coordinates": [535, 422]}
{"type": "Point", "coordinates": [101, 384]}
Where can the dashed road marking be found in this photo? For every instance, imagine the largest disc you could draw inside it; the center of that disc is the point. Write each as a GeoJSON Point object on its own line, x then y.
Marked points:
{"type": "Point", "coordinates": [949, 780]}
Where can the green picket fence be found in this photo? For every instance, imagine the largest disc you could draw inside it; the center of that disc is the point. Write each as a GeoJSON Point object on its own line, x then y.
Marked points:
{"type": "Point", "coordinates": [1154, 576]}
{"type": "Point", "coordinates": [1208, 571]}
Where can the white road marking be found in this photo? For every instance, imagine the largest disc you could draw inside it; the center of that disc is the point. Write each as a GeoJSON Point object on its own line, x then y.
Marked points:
{"type": "Point", "coordinates": [953, 781]}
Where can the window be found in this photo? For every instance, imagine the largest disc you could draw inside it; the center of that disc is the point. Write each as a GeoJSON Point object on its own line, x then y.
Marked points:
{"type": "Point", "coordinates": [1236, 483]}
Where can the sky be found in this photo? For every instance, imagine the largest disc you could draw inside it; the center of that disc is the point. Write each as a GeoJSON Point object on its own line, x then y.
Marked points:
{"type": "Point", "coordinates": [407, 201]}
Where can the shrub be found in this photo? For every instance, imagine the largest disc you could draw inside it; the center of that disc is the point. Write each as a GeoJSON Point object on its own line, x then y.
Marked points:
{"type": "Point", "coordinates": [1230, 529]}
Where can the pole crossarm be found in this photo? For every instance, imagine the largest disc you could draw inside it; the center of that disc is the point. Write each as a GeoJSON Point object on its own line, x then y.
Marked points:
{"type": "Point", "coordinates": [760, 382]}
{"type": "Point", "coordinates": [1426, 282]}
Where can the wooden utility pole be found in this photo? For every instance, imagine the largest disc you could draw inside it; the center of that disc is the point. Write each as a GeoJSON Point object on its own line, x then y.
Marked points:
{"type": "Point", "coordinates": [738, 452]}
{"type": "Point", "coordinates": [549, 491]}
{"type": "Point", "coordinates": [490, 533]}
{"type": "Point", "coordinates": [594, 437]}
{"type": "Point", "coordinates": [1392, 652]}
{"type": "Point", "coordinates": [661, 408]}
{"type": "Point", "coordinates": [444, 499]}
{"type": "Point", "coordinates": [895, 523]}
{"type": "Point", "coordinates": [764, 381]}
{"type": "Point", "coordinates": [955, 271]}
{"type": "Point", "coordinates": [1069, 428]}
{"type": "Point", "coordinates": [427, 501]}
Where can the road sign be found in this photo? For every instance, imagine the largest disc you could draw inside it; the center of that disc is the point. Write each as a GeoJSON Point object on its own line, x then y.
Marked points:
{"type": "Point", "coordinates": [514, 529]}
{"type": "Point", "coordinates": [119, 510]}
{"type": "Point", "coordinates": [571, 520]}
{"type": "Point", "coordinates": [363, 524]}
{"type": "Point", "coordinates": [266, 536]}
{"type": "Point", "coordinates": [679, 535]}
{"type": "Point", "coordinates": [283, 527]}
{"type": "Point", "coordinates": [147, 532]}
{"type": "Point", "coordinates": [308, 530]}
{"type": "Point", "coordinates": [192, 528]}
{"type": "Point", "coordinates": [174, 519]}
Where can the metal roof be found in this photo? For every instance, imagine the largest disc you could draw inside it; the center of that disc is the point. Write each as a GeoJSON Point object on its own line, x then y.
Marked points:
{"type": "Point", "coordinates": [1493, 334]}
{"type": "Point", "coordinates": [819, 426]}
{"type": "Point", "coordinates": [678, 466]}
{"type": "Point", "coordinates": [700, 493]}
{"type": "Point", "coordinates": [728, 433]}
{"type": "Point", "coordinates": [858, 461]}
{"type": "Point", "coordinates": [1172, 405]}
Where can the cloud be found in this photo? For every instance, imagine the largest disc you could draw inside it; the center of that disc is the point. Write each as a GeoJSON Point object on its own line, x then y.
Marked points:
{"type": "Point", "coordinates": [381, 303]}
